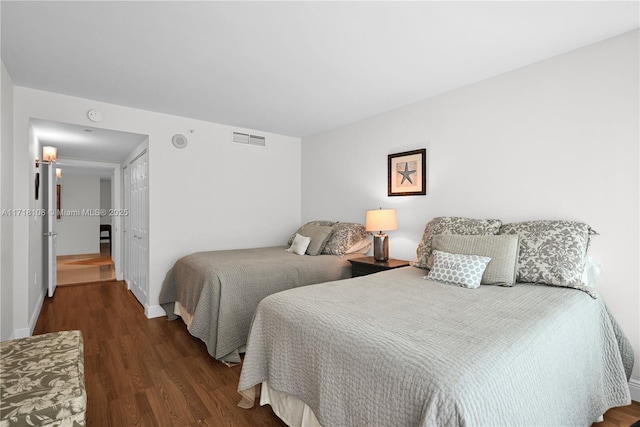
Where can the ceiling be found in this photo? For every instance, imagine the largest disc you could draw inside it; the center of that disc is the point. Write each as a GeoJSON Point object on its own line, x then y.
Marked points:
{"type": "Point", "coordinates": [293, 68]}
{"type": "Point", "coordinates": [86, 143]}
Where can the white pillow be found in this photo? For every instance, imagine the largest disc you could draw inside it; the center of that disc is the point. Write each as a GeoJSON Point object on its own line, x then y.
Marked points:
{"type": "Point", "coordinates": [360, 247]}
{"type": "Point", "coordinates": [457, 269]}
{"type": "Point", "coordinates": [299, 245]}
{"type": "Point", "coordinates": [591, 272]}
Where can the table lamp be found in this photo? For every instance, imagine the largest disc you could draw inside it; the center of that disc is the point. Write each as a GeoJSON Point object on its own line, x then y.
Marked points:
{"type": "Point", "coordinates": [381, 220]}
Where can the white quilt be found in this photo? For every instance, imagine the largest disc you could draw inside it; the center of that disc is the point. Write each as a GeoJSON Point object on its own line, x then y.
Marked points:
{"type": "Point", "coordinates": [393, 349]}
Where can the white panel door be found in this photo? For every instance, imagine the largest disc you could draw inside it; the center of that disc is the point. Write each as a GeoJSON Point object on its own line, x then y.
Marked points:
{"type": "Point", "coordinates": [139, 228]}
{"type": "Point", "coordinates": [126, 223]}
{"type": "Point", "coordinates": [50, 236]}
{"type": "Point", "coordinates": [133, 236]}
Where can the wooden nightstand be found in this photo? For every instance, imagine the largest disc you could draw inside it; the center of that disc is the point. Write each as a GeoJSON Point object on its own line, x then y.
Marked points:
{"type": "Point", "coordinates": [368, 265]}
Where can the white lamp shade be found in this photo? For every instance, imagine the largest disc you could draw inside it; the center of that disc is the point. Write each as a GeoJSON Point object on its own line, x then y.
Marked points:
{"type": "Point", "coordinates": [381, 220]}
{"type": "Point", "coordinates": [49, 154]}
{"type": "Point", "coordinates": [58, 173]}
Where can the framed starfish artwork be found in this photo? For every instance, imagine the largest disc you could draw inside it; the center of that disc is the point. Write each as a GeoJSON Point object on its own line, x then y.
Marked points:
{"type": "Point", "coordinates": [407, 173]}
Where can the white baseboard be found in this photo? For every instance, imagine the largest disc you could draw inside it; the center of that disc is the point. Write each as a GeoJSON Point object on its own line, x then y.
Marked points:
{"type": "Point", "coordinates": [36, 312]}
{"type": "Point", "coordinates": [27, 332]}
{"type": "Point", "coordinates": [21, 333]}
{"type": "Point", "coordinates": [634, 388]}
{"type": "Point", "coordinates": [154, 311]}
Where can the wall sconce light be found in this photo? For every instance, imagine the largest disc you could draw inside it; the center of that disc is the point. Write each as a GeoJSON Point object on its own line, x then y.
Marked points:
{"type": "Point", "coordinates": [381, 220]}
{"type": "Point", "coordinates": [49, 155]}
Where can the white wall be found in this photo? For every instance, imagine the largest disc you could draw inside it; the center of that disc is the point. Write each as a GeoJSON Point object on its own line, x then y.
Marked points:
{"type": "Point", "coordinates": [6, 201]}
{"type": "Point", "coordinates": [79, 234]}
{"type": "Point", "coordinates": [35, 226]}
{"type": "Point", "coordinates": [211, 195]}
{"type": "Point", "coordinates": [554, 140]}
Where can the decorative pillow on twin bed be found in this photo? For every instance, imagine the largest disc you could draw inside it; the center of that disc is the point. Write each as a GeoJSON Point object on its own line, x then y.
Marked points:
{"type": "Point", "coordinates": [452, 225]}
{"type": "Point", "coordinates": [502, 249]}
{"type": "Point", "coordinates": [458, 269]}
{"type": "Point", "coordinates": [319, 235]}
{"type": "Point", "coordinates": [317, 222]}
{"type": "Point", "coordinates": [299, 245]}
{"type": "Point", "coordinates": [344, 236]}
{"type": "Point", "coordinates": [552, 252]}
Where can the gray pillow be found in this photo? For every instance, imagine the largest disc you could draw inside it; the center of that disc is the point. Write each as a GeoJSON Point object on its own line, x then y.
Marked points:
{"type": "Point", "coordinates": [319, 235]}
{"type": "Point", "coordinates": [502, 249]}
{"type": "Point", "coordinates": [552, 252]}
{"type": "Point", "coordinates": [452, 225]}
{"type": "Point", "coordinates": [316, 222]}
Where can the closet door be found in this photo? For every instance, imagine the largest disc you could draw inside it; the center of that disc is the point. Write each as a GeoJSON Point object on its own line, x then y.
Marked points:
{"type": "Point", "coordinates": [139, 229]}
{"type": "Point", "coordinates": [126, 223]}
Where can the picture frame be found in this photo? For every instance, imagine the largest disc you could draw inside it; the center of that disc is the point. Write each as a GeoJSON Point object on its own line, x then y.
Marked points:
{"type": "Point", "coordinates": [58, 213]}
{"type": "Point", "coordinates": [407, 173]}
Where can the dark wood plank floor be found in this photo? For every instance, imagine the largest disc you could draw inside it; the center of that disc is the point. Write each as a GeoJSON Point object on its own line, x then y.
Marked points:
{"type": "Point", "coordinates": [145, 372]}
{"type": "Point", "coordinates": [151, 372]}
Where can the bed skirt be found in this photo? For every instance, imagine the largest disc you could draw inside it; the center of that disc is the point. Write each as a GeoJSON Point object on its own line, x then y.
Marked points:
{"type": "Point", "coordinates": [293, 411]}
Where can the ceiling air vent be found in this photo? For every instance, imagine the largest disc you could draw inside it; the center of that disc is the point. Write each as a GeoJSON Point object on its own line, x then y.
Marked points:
{"type": "Point", "coordinates": [245, 138]}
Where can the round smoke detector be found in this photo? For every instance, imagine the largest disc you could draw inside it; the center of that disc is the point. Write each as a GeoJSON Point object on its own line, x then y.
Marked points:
{"type": "Point", "coordinates": [179, 140]}
{"type": "Point", "coordinates": [95, 115]}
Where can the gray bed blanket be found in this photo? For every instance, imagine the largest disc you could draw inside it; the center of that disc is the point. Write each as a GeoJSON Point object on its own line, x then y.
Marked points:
{"type": "Point", "coordinates": [393, 349]}
{"type": "Point", "coordinates": [222, 289]}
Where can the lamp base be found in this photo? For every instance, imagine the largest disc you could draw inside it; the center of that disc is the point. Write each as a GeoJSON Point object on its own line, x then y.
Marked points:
{"type": "Point", "coordinates": [381, 247]}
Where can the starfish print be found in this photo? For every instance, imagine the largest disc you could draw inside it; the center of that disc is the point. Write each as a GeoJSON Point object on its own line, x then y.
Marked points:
{"type": "Point", "coordinates": [406, 174]}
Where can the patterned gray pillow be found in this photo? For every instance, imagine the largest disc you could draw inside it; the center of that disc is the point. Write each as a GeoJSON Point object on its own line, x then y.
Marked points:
{"type": "Point", "coordinates": [317, 222]}
{"type": "Point", "coordinates": [345, 235]}
{"type": "Point", "coordinates": [458, 269]}
{"type": "Point", "coordinates": [552, 252]}
{"type": "Point", "coordinates": [452, 225]}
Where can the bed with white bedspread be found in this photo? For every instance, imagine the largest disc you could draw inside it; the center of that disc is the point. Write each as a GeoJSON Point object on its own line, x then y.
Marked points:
{"type": "Point", "coordinates": [412, 352]}
{"type": "Point", "coordinates": [427, 345]}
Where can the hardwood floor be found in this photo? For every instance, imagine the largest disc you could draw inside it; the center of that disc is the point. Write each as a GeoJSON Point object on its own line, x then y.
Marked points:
{"type": "Point", "coordinates": [88, 268]}
{"type": "Point", "coordinates": [145, 372]}
{"type": "Point", "coordinates": [151, 372]}
{"type": "Point", "coordinates": [621, 417]}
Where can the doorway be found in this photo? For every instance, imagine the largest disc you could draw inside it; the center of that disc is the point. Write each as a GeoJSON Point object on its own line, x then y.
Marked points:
{"type": "Point", "coordinates": [91, 193]}
{"type": "Point", "coordinates": [80, 265]}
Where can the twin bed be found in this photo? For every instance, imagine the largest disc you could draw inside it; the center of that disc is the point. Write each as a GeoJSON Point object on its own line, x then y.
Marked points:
{"type": "Point", "coordinates": [216, 293]}
{"type": "Point", "coordinates": [399, 348]}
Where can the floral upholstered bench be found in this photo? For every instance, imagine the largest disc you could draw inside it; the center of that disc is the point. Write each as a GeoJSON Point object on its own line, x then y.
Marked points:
{"type": "Point", "coordinates": [42, 380]}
